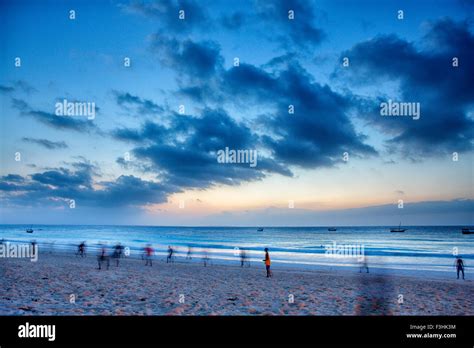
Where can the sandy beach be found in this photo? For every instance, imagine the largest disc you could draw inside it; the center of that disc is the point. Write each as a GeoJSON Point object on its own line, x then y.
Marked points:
{"type": "Point", "coordinates": [59, 284]}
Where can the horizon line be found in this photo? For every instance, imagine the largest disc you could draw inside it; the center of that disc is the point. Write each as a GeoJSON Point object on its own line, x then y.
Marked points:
{"type": "Point", "coordinates": [233, 226]}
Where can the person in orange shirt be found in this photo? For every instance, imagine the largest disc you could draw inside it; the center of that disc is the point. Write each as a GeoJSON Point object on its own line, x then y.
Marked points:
{"type": "Point", "coordinates": [267, 263]}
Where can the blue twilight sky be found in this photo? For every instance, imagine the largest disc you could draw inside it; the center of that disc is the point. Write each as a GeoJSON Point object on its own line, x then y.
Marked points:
{"type": "Point", "coordinates": [142, 161]}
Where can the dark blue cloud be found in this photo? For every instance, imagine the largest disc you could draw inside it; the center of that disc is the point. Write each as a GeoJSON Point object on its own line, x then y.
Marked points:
{"type": "Point", "coordinates": [301, 32]}
{"type": "Point", "coordinates": [51, 145]}
{"type": "Point", "coordinates": [425, 75]}
{"type": "Point", "coordinates": [79, 124]}
{"type": "Point", "coordinates": [317, 135]}
{"type": "Point", "coordinates": [150, 132]}
{"type": "Point", "coordinates": [141, 106]}
{"type": "Point", "coordinates": [249, 81]}
{"type": "Point", "coordinates": [185, 153]}
{"type": "Point", "coordinates": [6, 89]}
{"type": "Point", "coordinates": [319, 131]}
{"type": "Point", "coordinates": [18, 85]}
{"type": "Point", "coordinates": [22, 191]}
{"type": "Point", "coordinates": [199, 93]}
{"type": "Point", "coordinates": [12, 178]}
{"type": "Point", "coordinates": [129, 190]}
{"type": "Point", "coordinates": [56, 187]}
{"type": "Point", "coordinates": [193, 59]}
{"type": "Point", "coordinates": [165, 12]}
{"type": "Point", "coordinates": [64, 177]}
{"type": "Point", "coordinates": [214, 130]}
{"type": "Point", "coordinates": [126, 134]}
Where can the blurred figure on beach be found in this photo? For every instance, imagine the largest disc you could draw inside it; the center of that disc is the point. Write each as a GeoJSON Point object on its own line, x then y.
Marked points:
{"type": "Point", "coordinates": [81, 249]}
{"type": "Point", "coordinates": [118, 250]}
{"type": "Point", "coordinates": [243, 258]}
{"type": "Point", "coordinates": [188, 255]}
{"type": "Point", "coordinates": [170, 254]}
{"type": "Point", "coordinates": [148, 255]}
{"type": "Point", "coordinates": [363, 264]}
{"type": "Point", "coordinates": [267, 263]}
{"type": "Point", "coordinates": [205, 258]}
{"type": "Point", "coordinates": [377, 296]}
{"type": "Point", "coordinates": [103, 256]}
{"type": "Point", "coordinates": [459, 264]}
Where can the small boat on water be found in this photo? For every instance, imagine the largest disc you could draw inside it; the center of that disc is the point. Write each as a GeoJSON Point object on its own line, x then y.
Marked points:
{"type": "Point", "coordinates": [399, 229]}
{"type": "Point", "coordinates": [29, 230]}
{"type": "Point", "coordinates": [260, 229]}
{"type": "Point", "coordinates": [332, 229]}
{"type": "Point", "coordinates": [467, 231]}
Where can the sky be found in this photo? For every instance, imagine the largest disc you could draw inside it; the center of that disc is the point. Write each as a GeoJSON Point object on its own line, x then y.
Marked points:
{"type": "Point", "coordinates": [225, 75]}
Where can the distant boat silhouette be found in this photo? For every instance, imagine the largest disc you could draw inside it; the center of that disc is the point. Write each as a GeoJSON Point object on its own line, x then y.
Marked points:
{"type": "Point", "coordinates": [29, 230]}
{"type": "Point", "coordinates": [467, 231]}
{"type": "Point", "coordinates": [260, 229]}
{"type": "Point", "coordinates": [399, 229]}
{"type": "Point", "coordinates": [332, 229]}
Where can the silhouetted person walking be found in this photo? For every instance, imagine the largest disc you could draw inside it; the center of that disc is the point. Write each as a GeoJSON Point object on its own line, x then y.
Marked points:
{"type": "Point", "coordinates": [81, 249]}
{"type": "Point", "coordinates": [243, 258]}
{"type": "Point", "coordinates": [205, 258]}
{"type": "Point", "coordinates": [103, 257]}
{"type": "Point", "coordinates": [190, 251]}
{"type": "Point", "coordinates": [170, 254]}
{"type": "Point", "coordinates": [459, 267]}
{"type": "Point", "coordinates": [363, 264]}
{"type": "Point", "coordinates": [117, 253]}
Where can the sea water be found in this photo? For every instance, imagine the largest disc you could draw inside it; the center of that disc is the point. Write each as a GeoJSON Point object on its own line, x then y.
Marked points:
{"type": "Point", "coordinates": [421, 250]}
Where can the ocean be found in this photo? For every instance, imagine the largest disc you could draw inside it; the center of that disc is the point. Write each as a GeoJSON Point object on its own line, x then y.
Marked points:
{"type": "Point", "coordinates": [421, 250]}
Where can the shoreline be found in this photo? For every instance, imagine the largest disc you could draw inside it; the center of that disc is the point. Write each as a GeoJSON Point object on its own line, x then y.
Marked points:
{"type": "Point", "coordinates": [349, 267]}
